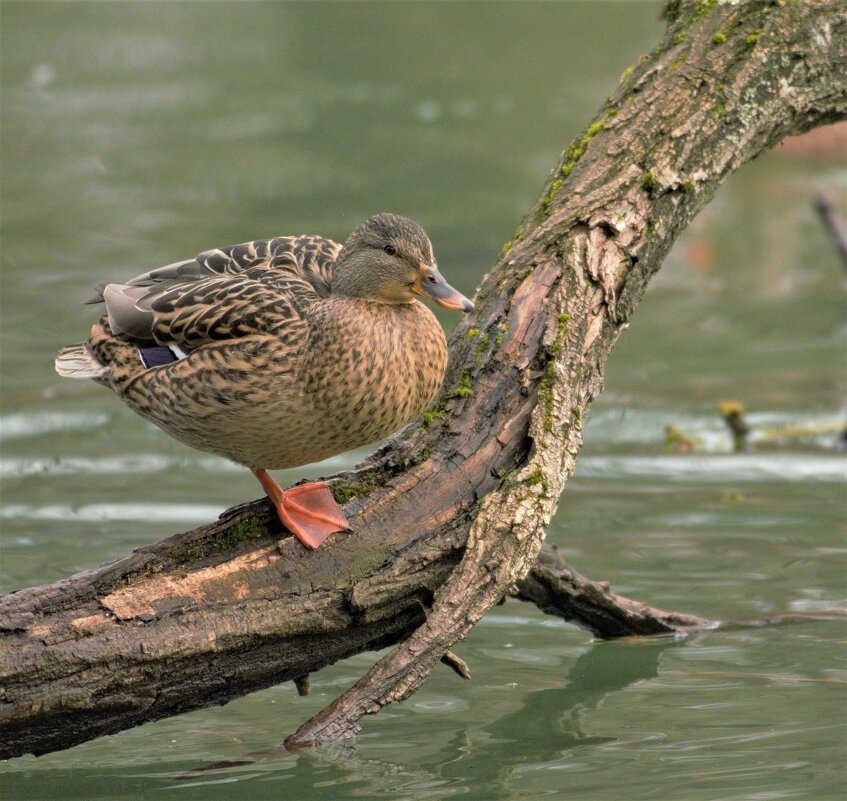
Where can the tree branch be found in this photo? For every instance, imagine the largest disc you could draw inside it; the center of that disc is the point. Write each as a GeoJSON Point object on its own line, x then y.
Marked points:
{"type": "Point", "coordinates": [450, 515]}
{"type": "Point", "coordinates": [557, 589]}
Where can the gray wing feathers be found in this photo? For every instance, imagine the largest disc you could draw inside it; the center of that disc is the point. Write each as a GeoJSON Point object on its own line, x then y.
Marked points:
{"type": "Point", "coordinates": [129, 316]}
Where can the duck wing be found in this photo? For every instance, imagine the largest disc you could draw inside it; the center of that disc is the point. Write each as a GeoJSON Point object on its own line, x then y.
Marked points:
{"type": "Point", "coordinates": [187, 314]}
{"type": "Point", "coordinates": [302, 265]}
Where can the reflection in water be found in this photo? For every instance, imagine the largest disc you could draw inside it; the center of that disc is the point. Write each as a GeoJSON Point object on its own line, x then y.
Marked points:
{"type": "Point", "coordinates": [553, 724]}
{"type": "Point", "coordinates": [550, 725]}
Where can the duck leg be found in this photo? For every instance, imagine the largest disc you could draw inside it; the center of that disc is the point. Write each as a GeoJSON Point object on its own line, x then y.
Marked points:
{"type": "Point", "coordinates": [308, 511]}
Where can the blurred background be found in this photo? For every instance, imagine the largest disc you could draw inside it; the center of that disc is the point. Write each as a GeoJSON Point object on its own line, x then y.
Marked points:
{"type": "Point", "coordinates": [136, 134]}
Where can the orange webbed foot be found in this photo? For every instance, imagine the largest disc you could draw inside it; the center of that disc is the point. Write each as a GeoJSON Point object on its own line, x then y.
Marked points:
{"type": "Point", "coordinates": [308, 511]}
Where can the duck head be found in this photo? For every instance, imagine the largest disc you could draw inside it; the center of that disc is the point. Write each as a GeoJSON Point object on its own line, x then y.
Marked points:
{"type": "Point", "coordinates": [388, 259]}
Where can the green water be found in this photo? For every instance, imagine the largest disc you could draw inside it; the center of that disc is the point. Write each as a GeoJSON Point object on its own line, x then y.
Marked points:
{"type": "Point", "coordinates": [137, 134]}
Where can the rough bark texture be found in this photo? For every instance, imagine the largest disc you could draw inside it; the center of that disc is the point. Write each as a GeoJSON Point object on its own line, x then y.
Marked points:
{"type": "Point", "coordinates": [450, 516]}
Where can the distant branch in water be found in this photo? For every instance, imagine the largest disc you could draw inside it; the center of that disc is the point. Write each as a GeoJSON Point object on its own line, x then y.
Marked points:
{"type": "Point", "coordinates": [784, 618]}
{"type": "Point", "coordinates": [833, 222]}
{"type": "Point", "coordinates": [733, 415]}
{"type": "Point", "coordinates": [745, 435]}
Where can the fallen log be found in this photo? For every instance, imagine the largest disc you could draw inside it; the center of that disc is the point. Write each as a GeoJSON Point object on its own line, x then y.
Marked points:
{"type": "Point", "coordinates": [449, 516]}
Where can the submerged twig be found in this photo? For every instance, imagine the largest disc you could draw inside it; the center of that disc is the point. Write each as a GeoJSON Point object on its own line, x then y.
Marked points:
{"type": "Point", "coordinates": [834, 224]}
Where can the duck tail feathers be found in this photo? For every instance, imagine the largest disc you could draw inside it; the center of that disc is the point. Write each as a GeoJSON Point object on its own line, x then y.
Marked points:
{"type": "Point", "coordinates": [77, 361]}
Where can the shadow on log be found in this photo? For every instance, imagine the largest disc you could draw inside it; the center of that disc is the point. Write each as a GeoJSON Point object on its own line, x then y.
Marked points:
{"type": "Point", "coordinates": [449, 516]}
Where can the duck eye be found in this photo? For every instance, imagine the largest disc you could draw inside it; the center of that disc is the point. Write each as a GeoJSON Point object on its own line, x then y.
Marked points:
{"type": "Point", "coordinates": [390, 250]}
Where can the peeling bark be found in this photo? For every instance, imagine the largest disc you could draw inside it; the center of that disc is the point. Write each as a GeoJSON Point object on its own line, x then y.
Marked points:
{"type": "Point", "coordinates": [450, 515]}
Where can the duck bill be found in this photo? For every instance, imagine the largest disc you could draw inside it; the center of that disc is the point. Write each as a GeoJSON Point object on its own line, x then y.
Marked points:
{"type": "Point", "coordinates": [433, 287]}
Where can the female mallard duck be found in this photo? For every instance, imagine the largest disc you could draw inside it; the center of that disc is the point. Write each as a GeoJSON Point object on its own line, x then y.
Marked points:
{"type": "Point", "coordinates": [279, 352]}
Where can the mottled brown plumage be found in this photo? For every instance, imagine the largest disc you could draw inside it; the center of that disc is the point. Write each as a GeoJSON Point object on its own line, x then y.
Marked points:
{"type": "Point", "coordinates": [285, 351]}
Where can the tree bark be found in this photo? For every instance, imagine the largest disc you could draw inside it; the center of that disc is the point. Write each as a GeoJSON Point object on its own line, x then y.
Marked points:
{"type": "Point", "coordinates": [449, 516]}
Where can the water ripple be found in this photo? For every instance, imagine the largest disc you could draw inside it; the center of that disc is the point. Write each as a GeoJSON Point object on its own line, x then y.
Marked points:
{"type": "Point", "coordinates": [73, 465]}
{"type": "Point", "coordinates": [14, 426]}
{"type": "Point", "coordinates": [722, 468]}
{"type": "Point", "coordinates": [98, 512]}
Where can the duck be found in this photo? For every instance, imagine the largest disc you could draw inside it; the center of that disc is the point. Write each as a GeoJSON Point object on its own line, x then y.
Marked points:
{"type": "Point", "coordinates": [279, 352]}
